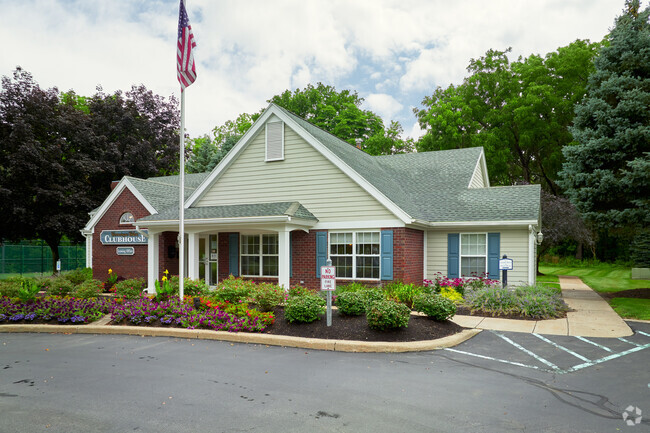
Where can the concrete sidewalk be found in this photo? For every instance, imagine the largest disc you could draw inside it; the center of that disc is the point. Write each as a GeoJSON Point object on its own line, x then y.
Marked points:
{"type": "Point", "coordinates": [591, 316]}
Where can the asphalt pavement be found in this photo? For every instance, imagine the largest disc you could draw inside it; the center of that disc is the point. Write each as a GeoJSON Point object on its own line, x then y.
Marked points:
{"type": "Point", "coordinates": [115, 383]}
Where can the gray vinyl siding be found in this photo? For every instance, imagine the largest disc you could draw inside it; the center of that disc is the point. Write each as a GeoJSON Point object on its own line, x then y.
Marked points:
{"type": "Point", "coordinates": [304, 175]}
{"type": "Point", "coordinates": [514, 243]}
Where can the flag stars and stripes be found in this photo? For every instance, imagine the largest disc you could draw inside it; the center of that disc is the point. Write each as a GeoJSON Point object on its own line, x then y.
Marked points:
{"type": "Point", "coordinates": [186, 70]}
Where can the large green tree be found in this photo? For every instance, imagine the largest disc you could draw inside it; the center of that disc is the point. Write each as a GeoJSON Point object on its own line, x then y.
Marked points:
{"type": "Point", "coordinates": [60, 152]}
{"type": "Point", "coordinates": [518, 111]}
{"type": "Point", "coordinates": [607, 172]}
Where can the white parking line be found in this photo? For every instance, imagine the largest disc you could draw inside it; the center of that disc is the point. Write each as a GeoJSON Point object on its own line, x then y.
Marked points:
{"type": "Point", "coordinates": [630, 342]}
{"type": "Point", "coordinates": [562, 348]}
{"type": "Point", "coordinates": [595, 344]}
{"type": "Point", "coordinates": [518, 364]}
{"type": "Point", "coordinates": [523, 349]}
{"type": "Point", "coordinates": [607, 358]}
{"type": "Point", "coordinates": [643, 333]}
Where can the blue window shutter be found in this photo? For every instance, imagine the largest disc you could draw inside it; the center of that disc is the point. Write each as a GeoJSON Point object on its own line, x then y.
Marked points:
{"type": "Point", "coordinates": [453, 255]}
{"type": "Point", "coordinates": [290, 254]}
{"type": "Point", "coordinates": [233, 254]}
{"type": "Point", "coordinates": [494, 250]}
{"type": "Point", "coordinates": [386, 255]}
{"type": "Point", "coordinates": [321, 251]}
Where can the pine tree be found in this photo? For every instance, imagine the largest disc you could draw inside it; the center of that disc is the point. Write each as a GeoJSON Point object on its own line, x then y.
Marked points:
{"type": "Point", "coordinates": [607, 173]}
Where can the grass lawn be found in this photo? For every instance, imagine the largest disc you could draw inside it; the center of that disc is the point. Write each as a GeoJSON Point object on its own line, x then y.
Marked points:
{"type": "Point", "coordinates": [601, 278]}
{"type": "Point", "coordinates": [549, 280]}
{"type": "Point", "coordinates": [632, 308]}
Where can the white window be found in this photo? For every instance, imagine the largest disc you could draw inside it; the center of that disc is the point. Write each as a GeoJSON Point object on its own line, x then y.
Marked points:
{"type": "Point", "coordinates": [259, 255]}
{"type": "Point", "coordinates": [355, 254]}
{"type": "Point", "coordinates": [473, 254]}
{"type": "Point", "coordinates": [274, 141]}
{"type": "Point", "coordinates": [127, 218]}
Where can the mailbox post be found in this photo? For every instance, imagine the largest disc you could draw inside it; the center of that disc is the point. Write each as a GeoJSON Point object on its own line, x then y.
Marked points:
{"type": "Point", "coordinates": [505, 265]}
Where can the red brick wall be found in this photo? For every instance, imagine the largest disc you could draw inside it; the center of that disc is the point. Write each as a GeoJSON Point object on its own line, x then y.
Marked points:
{"type": "Point", "coordinates": [166, 240]}
{"type": "Point", "coordinates": [408, 255]}
{"type": "Point", "coordinates": [105, 256]}
{"type": "Point", "coordinates": [304, 259]}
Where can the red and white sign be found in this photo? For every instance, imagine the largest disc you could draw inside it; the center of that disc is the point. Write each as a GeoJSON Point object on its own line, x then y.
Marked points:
{"type": "Point", "coordinates": [328, 278]}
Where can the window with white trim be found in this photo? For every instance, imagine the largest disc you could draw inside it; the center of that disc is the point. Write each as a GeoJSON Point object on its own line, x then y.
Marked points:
{"type": "Point", "coordinates": [355, 254]}
{"type": "Point", "coordinates": [127, 218]}
{"type": "Point", "coordinates": [259, 255]}
{"type": "Point", "coordinates": [473, 254]}
{"type": "Point", "coordinates": [274, 141]}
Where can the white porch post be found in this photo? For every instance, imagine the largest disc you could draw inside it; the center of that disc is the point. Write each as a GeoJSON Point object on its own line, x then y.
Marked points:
{"type": "Point", "coordinates": [89, 249]}
{"type": "Point", "coordinates": [193, 256]}
{"type": "Point", "coordinates": [284, 258]}
{"type": "Point", "coordinates": [532, 253]}
{"type": "Point", "coordinates": [153, 261]}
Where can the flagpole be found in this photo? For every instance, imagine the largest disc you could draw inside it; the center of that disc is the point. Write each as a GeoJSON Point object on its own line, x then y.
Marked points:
{"type": "Point", "coordinates": [181, 212]}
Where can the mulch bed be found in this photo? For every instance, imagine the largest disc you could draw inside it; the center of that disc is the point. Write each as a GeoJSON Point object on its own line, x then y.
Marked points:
{"type": "Point", "coordinates": [633, 293]}
{"type": "Point", "coordinates": [356, 328]}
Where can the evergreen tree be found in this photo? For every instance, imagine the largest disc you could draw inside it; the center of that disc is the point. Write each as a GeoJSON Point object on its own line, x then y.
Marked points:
{"type": "Point", "coordinates": [607, 173]}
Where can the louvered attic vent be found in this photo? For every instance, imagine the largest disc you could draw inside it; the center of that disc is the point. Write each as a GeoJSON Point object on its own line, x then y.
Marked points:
{"type": "Point", "coordinates": [274, 141]}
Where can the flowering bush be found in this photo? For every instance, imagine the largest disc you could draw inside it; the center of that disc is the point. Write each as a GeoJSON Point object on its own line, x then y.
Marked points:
{"type": "Point", "coordinates": [403, 292]}
{"type": "Point", "coordinates": [385, 314]}
{"type": "Point", "coordinates": [61, 310]}
{"type": "Point", "coordinates": [130, 289]}
{"type": "Point", "coordinates": [88, 289]}
{"type": "Point", "coordinates": [459, 284]}
{"type": "Point", "coordinates": [174, 312]}
{"type": "Point", "coordinates": [267, 296]}
{"type": "Point", "coordinates": [58, 286]}
{"type": "Point", "coordinates": [191, 287]}
{"type": "Point", "coordinates": [233, 289]}
{"type": "Point", "coordinates": [451, 294]}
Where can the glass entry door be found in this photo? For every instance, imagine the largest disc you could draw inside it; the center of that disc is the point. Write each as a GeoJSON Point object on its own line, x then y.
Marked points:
{"type": "Point", "coordinates": [208, 259]}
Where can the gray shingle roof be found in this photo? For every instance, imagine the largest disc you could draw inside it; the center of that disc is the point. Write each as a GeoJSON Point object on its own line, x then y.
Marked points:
{"type": "Point", "coordinates": [162, 192]}
{"type": "Point", "coordinates": [293, 209]}
{"type": "Point", "coordinates": [433, 186]}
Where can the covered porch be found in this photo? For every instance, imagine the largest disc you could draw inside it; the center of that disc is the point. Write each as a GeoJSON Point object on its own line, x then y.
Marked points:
{"type": "Point", "coordinates": [252, 241]}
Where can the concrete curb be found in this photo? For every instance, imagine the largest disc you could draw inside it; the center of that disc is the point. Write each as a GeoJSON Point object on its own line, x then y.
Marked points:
{"type": "Point", "coordinates": [250, 338]}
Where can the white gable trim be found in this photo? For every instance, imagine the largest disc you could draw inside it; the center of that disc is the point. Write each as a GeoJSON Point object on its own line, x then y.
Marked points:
{"type": "Point", "coordinates": [121, 186]}
{"type": "Point", "coordinates": [333, 158]}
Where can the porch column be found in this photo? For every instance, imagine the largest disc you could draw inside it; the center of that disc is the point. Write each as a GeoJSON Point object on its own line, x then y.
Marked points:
{"type": "Point", "coordinates": [153, 261]}
{"type": "Point", "coordinates": [532, 256]}
{"type": "Point", "coordinates": [284, 257]}
{"type": "Point", "coordinates": [193, 256]}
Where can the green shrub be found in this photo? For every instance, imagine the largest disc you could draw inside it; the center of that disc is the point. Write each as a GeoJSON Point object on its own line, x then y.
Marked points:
{"type": "Point", "coordinates": [299, 290]}
{"type": "Point", "coordinates": [267, 296]}
{"type": "Point", "coordinates": [351, 303]}
{"type": "Point", "coordinates": [386, 314]}
{"type": "Point", "coordinates": [59, 286]}
{"type": "Point", "coordinates": [640, 250]}
{"type": "Point", "coordinates": [350, 287]}
{"type": "Point", "coordinates": [88, 289]}
{"type": "Point", "coordinates": [9, 288]}
{"type": "Point", "coordinates": [28, 290]}
{"type": "Point", "coordinates": [435, 306]}
{"type": "Point", "coordinates": [495, 300]}
{"type": "Point", "coordinates": [402, 292]}
{"type": "Point", "coordinates": [233, 290]}
{"type": "Point", "coordinates": [305, 308]}
{"type": "Point", "coordinates": [79, 275]}
{"type": "Point", "coordinates": [130, 289]}
{"type": "Point", "coordinates": [192, 288]}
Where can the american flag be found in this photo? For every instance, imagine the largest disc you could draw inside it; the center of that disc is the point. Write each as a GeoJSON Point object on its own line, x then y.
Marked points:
{"type": "Point", "coordinates": [185, 69]}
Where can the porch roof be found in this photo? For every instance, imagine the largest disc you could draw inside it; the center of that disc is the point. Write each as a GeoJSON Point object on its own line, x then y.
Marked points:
{"type": "Point", "coordinates": [275, 209]}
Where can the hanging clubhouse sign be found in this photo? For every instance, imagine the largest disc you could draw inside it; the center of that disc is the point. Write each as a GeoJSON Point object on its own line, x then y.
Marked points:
{"type": "Point", "coordinates": [123, 237]}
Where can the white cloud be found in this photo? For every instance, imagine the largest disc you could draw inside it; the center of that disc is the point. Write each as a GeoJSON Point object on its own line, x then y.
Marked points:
{"type": "Point", "coordinates": [396, 51]}
{"type": "Point", "coordinates": [384, 105]}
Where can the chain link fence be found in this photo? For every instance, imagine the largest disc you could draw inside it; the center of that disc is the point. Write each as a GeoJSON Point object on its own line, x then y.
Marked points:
{"type": "Point", "coordinates": [34, 257]}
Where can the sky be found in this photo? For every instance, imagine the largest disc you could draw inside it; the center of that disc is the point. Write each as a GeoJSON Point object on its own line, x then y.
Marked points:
{"type": "Point", "coordinates": [393, 53]}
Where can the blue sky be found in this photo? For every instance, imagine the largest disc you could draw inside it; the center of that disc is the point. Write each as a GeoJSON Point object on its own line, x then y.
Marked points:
{"type": "Point", "coordinates": [393, 53]}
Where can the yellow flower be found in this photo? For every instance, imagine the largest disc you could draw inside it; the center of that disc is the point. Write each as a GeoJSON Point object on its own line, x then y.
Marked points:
{"type": "Point", "coordinates": [166, 272]}
{"type": "Point", "coordinates": [110, 271]}
{"type": "Point", "coordinates": [164, 278]}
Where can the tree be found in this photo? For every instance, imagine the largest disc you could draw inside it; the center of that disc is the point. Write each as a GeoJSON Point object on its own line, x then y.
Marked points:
{"type": "Point", "coordinates": [561, 221]}
{"type": "Point", "coordinates": [518, 111]}
{"type": "Point", "coordinates": [60, 152]}
{"type": "Point", "coordinates": [607, 172]}
{"type": "Point", "coordinates": [45, 163]}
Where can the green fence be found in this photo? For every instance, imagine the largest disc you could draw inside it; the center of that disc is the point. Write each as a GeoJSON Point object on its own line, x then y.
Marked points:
{"type": "Point", "coordinates": [34, 257]}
